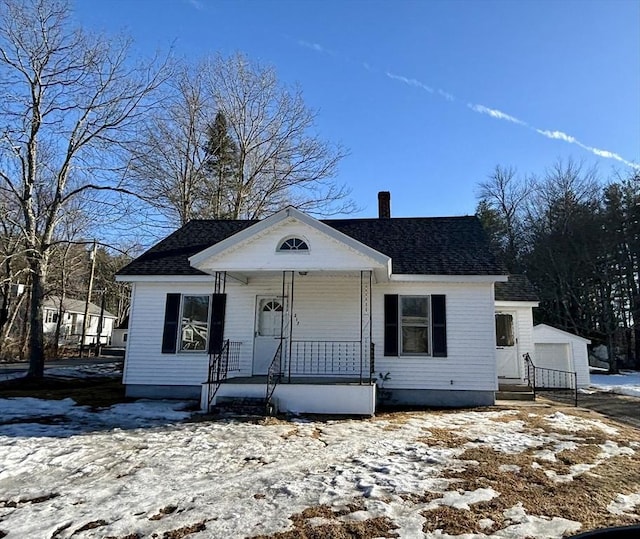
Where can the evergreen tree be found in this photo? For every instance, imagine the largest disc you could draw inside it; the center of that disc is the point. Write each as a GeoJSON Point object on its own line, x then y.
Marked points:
{"type": "Point", "coordinates": [221, 167]}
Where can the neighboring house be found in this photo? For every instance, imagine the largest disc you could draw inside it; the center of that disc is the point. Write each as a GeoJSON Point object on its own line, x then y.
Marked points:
{"type": "Point", "coordinates": [515, 300]}
{"type": "Point", "coordinates": [120, 334]}
{"type": "Point", "coordinates": [72, 311]}
{"type": "Point", "coordinates": [323, 307]}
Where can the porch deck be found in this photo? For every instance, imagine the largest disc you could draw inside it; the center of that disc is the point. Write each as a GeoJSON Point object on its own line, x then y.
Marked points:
{"type": "Point", "coordinates": [306, 380]}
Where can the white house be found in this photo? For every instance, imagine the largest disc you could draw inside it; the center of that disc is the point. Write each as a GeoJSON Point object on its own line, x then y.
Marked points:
{"type": "Point", "coordinates": [313, 312]}
{"type": "Point", "coordinates": [120, 334]}
{"type": "Point", "coordinates": [72, 311]}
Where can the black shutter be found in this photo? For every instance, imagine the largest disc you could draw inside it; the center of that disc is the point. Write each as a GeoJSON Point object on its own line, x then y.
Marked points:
{"type": "Point", "coordinates": [171, 318]}
{"type": "Point", "coordinates": [216, 324]}
{"type": "Point", "coordinates": [439, 325]}
{"type": "Point", "coordinates": [391, 325]}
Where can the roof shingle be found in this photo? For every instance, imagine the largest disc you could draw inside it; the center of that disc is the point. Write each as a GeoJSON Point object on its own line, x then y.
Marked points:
{"type": "Point", "coordinates": [420, 245]}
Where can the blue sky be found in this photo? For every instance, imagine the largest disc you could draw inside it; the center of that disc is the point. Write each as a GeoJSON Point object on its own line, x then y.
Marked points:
{"type": "Point", "coordinates": [428, 96]}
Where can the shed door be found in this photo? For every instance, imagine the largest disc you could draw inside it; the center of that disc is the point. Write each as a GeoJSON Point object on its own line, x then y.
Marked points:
{"type": "Point", "coordinates": [267, 332]}
{"type": "Point", "coordinates": [508, 363]}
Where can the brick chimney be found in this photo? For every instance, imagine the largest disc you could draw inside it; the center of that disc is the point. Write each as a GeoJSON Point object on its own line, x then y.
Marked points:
{"type": "Point", "coordinates": [384, 205]}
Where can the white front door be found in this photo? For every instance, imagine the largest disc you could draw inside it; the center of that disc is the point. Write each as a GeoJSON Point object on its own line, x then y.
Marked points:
{"type": "Point", "coordinates": [507, 345]}
{"type": "Point", "coordinates": [269, 312]}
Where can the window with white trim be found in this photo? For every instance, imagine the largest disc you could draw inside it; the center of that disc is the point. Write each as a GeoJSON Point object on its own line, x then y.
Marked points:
{"type": "Point", "coordinates": [414, 325]}
{"type": "Point", "coordinates": [293, 244]}
{"type": "Point", "coordinates": [194, 323]}
{"type": "Point", "coordinates": [51, 317]}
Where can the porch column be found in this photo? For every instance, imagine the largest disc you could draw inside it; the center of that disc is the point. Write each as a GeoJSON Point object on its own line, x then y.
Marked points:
{"type": "Point", "coordinates": [366, 357]}
{"type": "Point", "coordinates": [286, 325]}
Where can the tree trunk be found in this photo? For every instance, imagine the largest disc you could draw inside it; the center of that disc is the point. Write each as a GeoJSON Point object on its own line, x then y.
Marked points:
{"type": "Point", "coordinates": [36, 337]}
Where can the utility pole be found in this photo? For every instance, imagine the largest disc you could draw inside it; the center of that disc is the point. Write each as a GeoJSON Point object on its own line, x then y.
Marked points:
{"type": "Point", "coordinates": [100, 323]}
{"type": "Point", "coordinates": [92, 257]}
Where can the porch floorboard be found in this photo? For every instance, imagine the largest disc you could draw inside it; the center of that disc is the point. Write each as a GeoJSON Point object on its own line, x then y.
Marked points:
{"type": "Point", "coordinates": [311, 380]}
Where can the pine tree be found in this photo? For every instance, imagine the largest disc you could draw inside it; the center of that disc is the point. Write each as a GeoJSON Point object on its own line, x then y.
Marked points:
{"type": "Point", "coordinates": [221, 166]}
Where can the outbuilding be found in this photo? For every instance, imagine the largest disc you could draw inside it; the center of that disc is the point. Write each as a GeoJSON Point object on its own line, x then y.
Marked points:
{"type": "Point", "coordinates": [561, 350]}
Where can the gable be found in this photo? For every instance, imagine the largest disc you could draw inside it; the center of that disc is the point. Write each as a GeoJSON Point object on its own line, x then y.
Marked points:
{"type": "Point", "coordinates": [259, 249]}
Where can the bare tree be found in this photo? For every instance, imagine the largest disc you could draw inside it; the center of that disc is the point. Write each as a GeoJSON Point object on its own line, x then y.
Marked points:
{"type": "Point", "coordinates": [502, 201]}
{"type": "Point", "coordinates": [70, 102]}
{"type": "Point", "coordinates": [280, 160]}
{"type": "Point", "coordinates": [271, 158]}
{"type": "Point", "coordinates": [168, 165]}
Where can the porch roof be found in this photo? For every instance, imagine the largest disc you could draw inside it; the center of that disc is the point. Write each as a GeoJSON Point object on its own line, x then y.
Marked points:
{"type": "Point", "coordinates": [416, 245]}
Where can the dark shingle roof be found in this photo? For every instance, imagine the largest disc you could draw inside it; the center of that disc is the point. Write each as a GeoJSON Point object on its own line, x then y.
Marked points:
{"type": "Point", "coordinates": [424, 245]}
{"type": "Point", "coordinates": [517, 288]}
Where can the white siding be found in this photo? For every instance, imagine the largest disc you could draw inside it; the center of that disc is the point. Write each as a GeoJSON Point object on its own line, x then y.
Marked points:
{"type": "Point", "coordinates": [324, 308]}
{"type": "Point", "coordinates": [260, 252]}
{"type": "Point", "coordinates": [145, 363]}
{"type": "Point", "coordinates": [523, 329]}
{"type": "Point", "coordinates": [470, 362]}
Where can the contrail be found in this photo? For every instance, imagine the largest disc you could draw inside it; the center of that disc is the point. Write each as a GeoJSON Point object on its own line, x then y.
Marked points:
{"type": "Point", "coordinates": [480, 109]}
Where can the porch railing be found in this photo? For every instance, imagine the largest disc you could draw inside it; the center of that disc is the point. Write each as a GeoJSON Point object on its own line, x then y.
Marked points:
{"type": "Point", "coordinates": [329, 358]}
{"type": "Point", "coordinates": [274, 374]}
{"type": "Point", "coordinates": [221, 363]}
{"type": "Point", "coordinates": [558, 381]}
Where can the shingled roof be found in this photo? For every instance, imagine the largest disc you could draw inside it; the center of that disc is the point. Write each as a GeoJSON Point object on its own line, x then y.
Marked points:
{"type": "Point", "coordinates": [424, 245]}
{"type": "Point", "coordinates": [517, 288]}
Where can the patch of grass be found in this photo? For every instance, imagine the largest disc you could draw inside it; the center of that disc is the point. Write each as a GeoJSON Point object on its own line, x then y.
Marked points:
{"type": "Point", "coordinates": [459, 521]}
{"type": "Point", "coordinates": [585, 499]}
{"type": "Point", "coordinates": [336, 529]}
{"type": "Point", "coordinates": [442, 437]}
{"type": "Point", "coordinates": [179, 533]}
{"type": "Point", "coordinates": [96, 392]}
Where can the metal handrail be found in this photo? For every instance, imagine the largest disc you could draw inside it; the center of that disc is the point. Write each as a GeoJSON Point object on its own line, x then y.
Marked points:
{"type": "Point", "coordinates": [274, 374]}
{"type": "Point", "coordinates": [227, 359]}
{"type": "Point", "coordinates": [542, 378]}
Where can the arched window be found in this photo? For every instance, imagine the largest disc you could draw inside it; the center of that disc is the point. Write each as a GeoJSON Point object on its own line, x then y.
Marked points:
{"type": "Point", "coordinates": [293, 244]}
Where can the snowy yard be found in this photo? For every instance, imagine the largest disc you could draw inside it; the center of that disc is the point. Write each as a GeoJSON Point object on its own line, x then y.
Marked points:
{"type": "Point", "coordinates": [137, 470]}
{"type": "Point", "coordinates": [625, 383]}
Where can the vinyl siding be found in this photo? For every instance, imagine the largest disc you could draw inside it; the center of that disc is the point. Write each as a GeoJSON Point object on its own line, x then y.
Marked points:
{"type": "Point", "coordinates": [470, 362]}
{"type": "Point", "coordinates": [260, 252]}
{"type": "Point", "coordinates": [324, 308]}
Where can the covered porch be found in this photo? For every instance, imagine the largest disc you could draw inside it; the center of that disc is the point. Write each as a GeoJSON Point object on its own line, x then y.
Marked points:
{"type": "Point", "coordinates": [311, 348]}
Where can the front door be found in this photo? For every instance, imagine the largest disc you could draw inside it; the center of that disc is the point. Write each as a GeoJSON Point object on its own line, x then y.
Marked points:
{"type": "Point", "coordinates": [507, 346]}
{"type": "Point", "coordinates": [269, 312]}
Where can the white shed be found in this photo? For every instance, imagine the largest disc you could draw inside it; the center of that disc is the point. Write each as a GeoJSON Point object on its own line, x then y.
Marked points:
{"type": "Point", "coordinates": [558, 349]}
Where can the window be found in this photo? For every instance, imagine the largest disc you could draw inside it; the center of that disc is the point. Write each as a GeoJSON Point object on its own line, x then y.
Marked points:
{"type": "Point", "coordinates": [415, 325]}
{"type": "Point", "coordinates": [194, 325]}
{"type": "Point", "coordinates": [51, 317]}
{"type": "Point", "coordinates": [504, 330]}
{"type": "Point", "coordinates": [293, 244]}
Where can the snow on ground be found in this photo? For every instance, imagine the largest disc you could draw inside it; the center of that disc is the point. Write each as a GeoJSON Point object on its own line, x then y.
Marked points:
{"type": "Point", "coordinates": [625, 383]}
{"type": "Point", "coordinates": [73, 371]}
{"type": "Point", "coordinates": [136, 468]}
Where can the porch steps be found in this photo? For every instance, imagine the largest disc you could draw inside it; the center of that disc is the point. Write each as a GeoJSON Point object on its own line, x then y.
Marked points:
{"type": "Point", "coordinates": [514, 392]}
{"type": "Point", "coordinates": [246, 406]}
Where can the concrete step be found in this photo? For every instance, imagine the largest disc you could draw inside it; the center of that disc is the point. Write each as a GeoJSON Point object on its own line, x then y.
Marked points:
{"type": "Point", "coordinates": [517, 395]}
{"type": "Point", "coordinates": [253, 406]}
{"type": "Point", "coordinates": [514, 387]}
